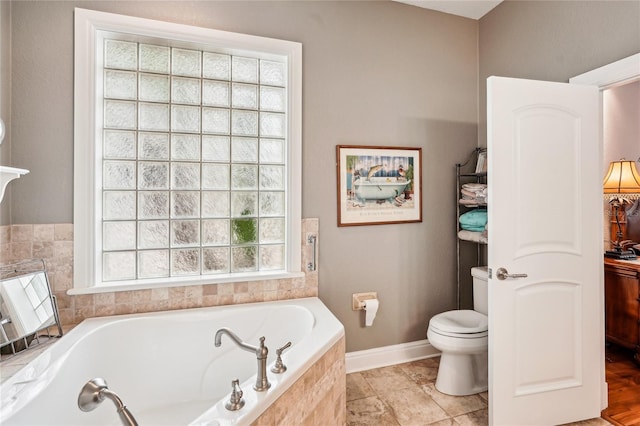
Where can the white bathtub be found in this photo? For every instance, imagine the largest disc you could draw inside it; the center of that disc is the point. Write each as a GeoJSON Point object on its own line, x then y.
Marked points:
{"type": "Point", "coordinates": [379, 188]}
{"type": "Point", "coordinates": [165, 367]}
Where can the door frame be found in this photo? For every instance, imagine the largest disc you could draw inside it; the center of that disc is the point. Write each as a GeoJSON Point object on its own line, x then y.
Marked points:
{"type": "Point", "coordinates": [615, 74]}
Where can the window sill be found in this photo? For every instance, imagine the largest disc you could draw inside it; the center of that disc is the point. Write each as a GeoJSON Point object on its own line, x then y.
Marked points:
{"type": "Point", "coordinates": [183, 281]}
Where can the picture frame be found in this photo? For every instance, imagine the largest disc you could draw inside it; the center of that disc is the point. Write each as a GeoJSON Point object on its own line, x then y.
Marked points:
{"type": "Point", "coordinates": [378, 185]}
{"type": "Point", "coordinates": [481, 164]}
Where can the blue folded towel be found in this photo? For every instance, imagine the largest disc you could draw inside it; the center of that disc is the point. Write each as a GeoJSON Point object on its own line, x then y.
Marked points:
{"type": "Point", "coordinates": [474, 220]}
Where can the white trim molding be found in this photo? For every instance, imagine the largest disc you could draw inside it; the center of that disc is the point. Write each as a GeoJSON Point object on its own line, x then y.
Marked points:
{"type": "Point", "coordinates": [389, 355]}
{"type": "Point", "coordinates": [614, 74]}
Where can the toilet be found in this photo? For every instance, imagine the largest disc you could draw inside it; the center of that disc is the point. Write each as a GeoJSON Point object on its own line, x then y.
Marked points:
{"type": "Point", "coordinates": [462, 337]}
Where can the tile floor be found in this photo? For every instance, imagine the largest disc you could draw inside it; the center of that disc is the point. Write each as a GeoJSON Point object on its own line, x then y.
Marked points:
{"type": "Point", "coordinates": [405, 394]}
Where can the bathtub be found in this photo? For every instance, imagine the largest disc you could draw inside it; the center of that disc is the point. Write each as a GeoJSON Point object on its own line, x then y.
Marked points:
{"type": "Point", "coordinates": [165, 367]}
{"type": "Point", "coordinates": [379, 188]}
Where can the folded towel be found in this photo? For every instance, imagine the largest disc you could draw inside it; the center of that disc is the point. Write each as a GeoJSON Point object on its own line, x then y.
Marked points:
{"type": "Point", "coordinates": [474, 220]}
{"type": "Point", "coordinates": [478, 237]}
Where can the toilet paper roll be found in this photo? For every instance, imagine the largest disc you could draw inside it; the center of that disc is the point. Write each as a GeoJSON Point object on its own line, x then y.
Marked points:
{"type": "Point", "coordinates": [371, 309]}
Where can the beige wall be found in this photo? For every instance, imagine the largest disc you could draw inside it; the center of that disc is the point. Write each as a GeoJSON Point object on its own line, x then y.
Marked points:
{"type": "Point", "coordinates": [374, 73]}
{"type": "Point", "coordinates": [621, 124]}
{"type": "Point", "coordinates": [5, 98]}
{"type": "Point", "coordinates": [553, 40]}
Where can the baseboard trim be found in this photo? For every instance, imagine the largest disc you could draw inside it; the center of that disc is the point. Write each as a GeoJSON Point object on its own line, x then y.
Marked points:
{"type": "Point", "coordinates": [389, 355]}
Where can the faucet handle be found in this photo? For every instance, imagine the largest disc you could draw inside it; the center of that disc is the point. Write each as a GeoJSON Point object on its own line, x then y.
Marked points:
{"type": "Point", "coordinates": [235, 401]}
{"type": "Point", "coordinates": [279, 366]}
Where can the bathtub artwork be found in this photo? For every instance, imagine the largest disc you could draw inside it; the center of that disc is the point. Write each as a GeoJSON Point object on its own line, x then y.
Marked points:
{"type": "Point", "coordinates": [378, 185]}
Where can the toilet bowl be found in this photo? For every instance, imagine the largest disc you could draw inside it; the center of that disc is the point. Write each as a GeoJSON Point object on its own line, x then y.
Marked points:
{"type": "Point", "coordinates": [462, 337]}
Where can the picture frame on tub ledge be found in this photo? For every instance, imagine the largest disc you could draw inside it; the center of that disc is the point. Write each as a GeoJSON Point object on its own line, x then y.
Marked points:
{"type": "Point", "coordinates": [378, 185]}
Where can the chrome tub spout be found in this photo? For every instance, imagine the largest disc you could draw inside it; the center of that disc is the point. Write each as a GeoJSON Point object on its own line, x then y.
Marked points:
{"type": "Point", "coordinates": [262, 383]}
{"type": "Point", "coordinates": [95, 391]}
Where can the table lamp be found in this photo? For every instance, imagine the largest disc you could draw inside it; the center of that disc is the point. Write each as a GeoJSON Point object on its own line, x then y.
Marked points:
{"type": "Point", "coordinates": [622, 183]}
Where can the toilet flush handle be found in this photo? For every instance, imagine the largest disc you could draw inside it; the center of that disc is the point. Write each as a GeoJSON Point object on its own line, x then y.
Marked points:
{"type": "Point", "coordinates": [503, 274]}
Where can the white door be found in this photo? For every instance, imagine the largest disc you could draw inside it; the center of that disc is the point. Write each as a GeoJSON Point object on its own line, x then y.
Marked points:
{"type": "Point", "coordinates": [546, 336]}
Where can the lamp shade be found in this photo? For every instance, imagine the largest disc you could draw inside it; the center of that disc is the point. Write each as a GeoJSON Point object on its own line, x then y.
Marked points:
{"type": "Point", "coordinates": [622, 178]}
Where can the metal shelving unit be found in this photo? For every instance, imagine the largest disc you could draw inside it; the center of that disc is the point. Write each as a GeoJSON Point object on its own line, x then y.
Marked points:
{"type": "Point", "coordinates": [466, 173]}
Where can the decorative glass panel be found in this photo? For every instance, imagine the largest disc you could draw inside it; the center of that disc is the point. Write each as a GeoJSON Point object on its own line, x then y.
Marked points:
{"type": "Point", "coordinates": [154, 117]}
{"type": "Point", "coordinates": [215, 260]}
{"type": "Point", "coordinates": [215, 148]}
{"type": "Point", "coordinates": [154, 58]}
{"type": "Point", "coordinates": [215, 93]}
{"type": "Point", "coordinates": [271, 257]}
{"type": "Point", "coordinates": [244, 204]}
{"type": "Point", "coordinates": [185, 118]}
{"type": "Point", "coordinates": [119, 205]}
{"type": "Point", "coordinates": [153, 175]}
{"type": "Point", "coordinates": [117, 266]}
{"type": "Point", "coordinates": [185, 233]}
{"type": "Point", "coordinates": [185, 62]}
{"type": "Point", "coordinates": [185, 147]}
{"type": "Point", "coordinates": [244, 69]}
{"type": "Point", "coordinates": [185, 90]}
{"type": "Point", "coordinates": [215, 232]}
{"type": "Point", "coordinates": [244, 259]}
{"type": "Point", "coordinates": [244, 123]}
{"type": "Point", "coordinates": [216, 66]}
{"type": "Point", "coordinates": [271, 203]}
{"type": "Point", "coordinates": [185, 176]}
{"type": "Point", "coordinates": [244, 150]}
{"type": "Point", "coordinates": [272, 150]}
{"type": "Point", "coordinates": [215, 120]}
{"type": "Point", "coordinates": [120, 54]}
{"type": "Point", "coordinates": [272, 98]}
{"type": "Point", "coordinates": [119, 175]}
{"type": "Point", "coordinates": [272, 177]}
{"type": "Point", "coordinates": [215, 204]}
{"type": "Point", "coordinates": [120, 85]}
{"type": "Point", "coordinates": [153, 146]}
{"type": "Point", "coordinates": [185, 262]}
{"type": "Point", "coordinates": [244, 96]}
{"type": "Point", "coordinates": [153, 205]}
{"type": "Point", "coordinates": [119, 235]}
{"type": "Point", "coordinates": [273, 73]}
{"type": "Point", "coordinates": [215, 176]}
{"type": "Point", "coordinates": [119, 115]}
{"type": "Point", "coordinates": [272, 230]}
{"type": "Point", "coordinates": [185, 204]}
{"type": "Point", "coordinates": [154, 88]}
{"type": "Point", "coordinates": [153, 234]}
{"type": "Point", "coordinates": [119, 144]}
{"type": "Point", "coordinates": [193, 175]}
{"type": "Point", "coordinates": [244, 177]}
{"type": "Point", "coordinates": [272, 124]}
{"type": "Point", "coordinates": [153, 263]}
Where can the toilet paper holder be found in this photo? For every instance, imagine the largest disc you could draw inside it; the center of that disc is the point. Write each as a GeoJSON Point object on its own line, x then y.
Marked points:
{"type": "Point", "coordinates": [358, 300]}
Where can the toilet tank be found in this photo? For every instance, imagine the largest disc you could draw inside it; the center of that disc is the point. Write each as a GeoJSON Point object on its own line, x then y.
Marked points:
{"type": "Point", "coordinates": [480, 289]}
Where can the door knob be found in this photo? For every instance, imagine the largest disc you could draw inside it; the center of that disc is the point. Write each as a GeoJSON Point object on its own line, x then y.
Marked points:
{"type": "Point", "coordinates": [503, 274]}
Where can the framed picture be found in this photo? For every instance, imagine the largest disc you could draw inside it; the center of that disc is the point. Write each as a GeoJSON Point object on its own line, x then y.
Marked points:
{"type": "Point", "coordinates": [378, 185]}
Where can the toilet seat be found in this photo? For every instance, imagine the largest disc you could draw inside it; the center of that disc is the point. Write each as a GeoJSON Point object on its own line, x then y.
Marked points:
{"type": "Point", "coordinates": [465, 324]}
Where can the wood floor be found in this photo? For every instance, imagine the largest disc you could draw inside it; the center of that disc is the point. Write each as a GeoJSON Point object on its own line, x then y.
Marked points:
{"type": "Point", "coordinates": [623, 378]}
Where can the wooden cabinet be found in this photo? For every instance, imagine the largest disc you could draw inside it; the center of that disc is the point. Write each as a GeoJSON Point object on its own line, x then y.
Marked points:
{"type": "Point", "coordinates": [622, 303]}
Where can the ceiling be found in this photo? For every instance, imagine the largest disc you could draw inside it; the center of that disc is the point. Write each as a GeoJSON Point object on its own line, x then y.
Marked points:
{"type": "Point", "coordinates": [474, 9]}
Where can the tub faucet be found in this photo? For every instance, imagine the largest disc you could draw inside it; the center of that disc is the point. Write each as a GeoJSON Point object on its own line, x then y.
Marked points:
{"type": "Point", "coordinates": [262, 383]}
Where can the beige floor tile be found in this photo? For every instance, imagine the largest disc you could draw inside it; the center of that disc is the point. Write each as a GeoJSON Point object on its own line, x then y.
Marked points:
{"type": "Point", "coordinates": [423, 371]}
{"type": "Point", "coordinates": [455, 405]}
{"type": "Point", "coordinates": [357, 387]}
{"type": "Point", "coordinates": [598, 421]}
{"type": "Point", "coordinates": [411, 406]}
{"type": "Point", "coordinates": [477, 418]}
{"type": "Point", "coordinates": [369, 411]}
{"type": "Point", "coordinates": [385, 378]}
{"type": "Point", "coordinates": [446, 422]}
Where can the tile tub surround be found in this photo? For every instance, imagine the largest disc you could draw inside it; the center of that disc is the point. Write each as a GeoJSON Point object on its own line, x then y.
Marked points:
{"type": "Point", "coordinates": [54, 244]}
{"type": "Point", "coordinates": [317, 398]}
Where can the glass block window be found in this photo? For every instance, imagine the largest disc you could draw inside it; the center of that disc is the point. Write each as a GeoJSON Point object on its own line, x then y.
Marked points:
{"type": "Point", "coordinates": [193, 164]}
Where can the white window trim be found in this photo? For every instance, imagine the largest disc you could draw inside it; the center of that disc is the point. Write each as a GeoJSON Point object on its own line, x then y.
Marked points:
{"type": "Point", "coordinates": [87, 24]}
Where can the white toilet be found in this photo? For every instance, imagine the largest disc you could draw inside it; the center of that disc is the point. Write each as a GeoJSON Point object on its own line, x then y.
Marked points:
{"type": "Point", "coordinates": [462, 337]}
